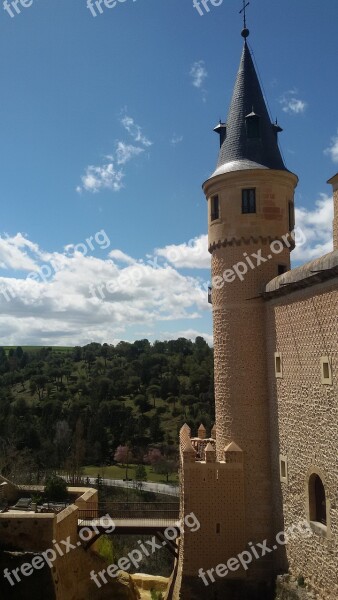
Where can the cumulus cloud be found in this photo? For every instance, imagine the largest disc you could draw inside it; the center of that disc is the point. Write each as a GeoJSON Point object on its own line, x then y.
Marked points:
{"type": "Point", "coordinates": [316, 226]}
{"type": "Point", "coordinates": [77, 298]}
{"type": "Point", "coordinates": [120, 256]}
{"type": "Point", "coordinates": [17, 253]}
{"type": "Point", "coordinates": [191, 255]}
{"type": "Point", "coordinates": [73, 297]}
{"type": "Point", "coordinates": [292, 104]}
{"type": "Point", "coordinates": [198, 73]}
{"type": "Point", "coordinates": [332, 150]}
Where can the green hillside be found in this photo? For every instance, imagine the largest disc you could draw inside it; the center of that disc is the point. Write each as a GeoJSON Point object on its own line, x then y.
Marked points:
{"type": "Point", "coordinates": [63, 408]}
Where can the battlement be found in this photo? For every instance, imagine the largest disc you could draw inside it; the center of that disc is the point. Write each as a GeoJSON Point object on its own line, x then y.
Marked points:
{"type": "Point", "coordinates": [202, 450]}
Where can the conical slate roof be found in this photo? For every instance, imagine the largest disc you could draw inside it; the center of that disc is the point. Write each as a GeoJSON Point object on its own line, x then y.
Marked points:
{"type": "Point", "coordinates": [239, 151]}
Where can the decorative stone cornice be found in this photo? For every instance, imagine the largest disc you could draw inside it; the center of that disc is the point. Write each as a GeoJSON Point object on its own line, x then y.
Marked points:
{"type": "Point", "coordinates": [250, 240]}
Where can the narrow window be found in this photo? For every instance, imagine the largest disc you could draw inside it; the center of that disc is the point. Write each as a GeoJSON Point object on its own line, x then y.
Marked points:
{"type": "Point", "coordinates": [248, 201]}
{"type": "Point", "coordinates": [282, 269]}
{"type": "Point", "coordinates": [278, 365]}
{"type": "Point", "coordinates": [326, 371]}
{"type": "Point", "coordinates": [218, 528]}
{"type": "Point", "coordinates": [210, 295]}
{"type": "Point", "coordinates": [283, 467]}
{"type": "Point", "coordinates": [214, 208]}
{"type": "Point", "coordinates": [317, 500]}
{"type": "Point", "coordinates": [291, 216]}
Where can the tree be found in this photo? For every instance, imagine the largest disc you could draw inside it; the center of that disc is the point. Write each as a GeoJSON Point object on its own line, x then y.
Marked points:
{"type": "Point", "coordinates": [154, 391]}
{"type": "Point", "coordinates": [156, 433]}
{"type": "Point", "coordinates": [62, 440]}
{"type": "Point", "coordinates": [56, 489]}
{"type": "Point", "coordinates": [123, 455]}
{"type": "Point", "coordinates": [165, 467]}
{"type": "Point", "coordinates": [172, 400]}
{"type": "Point", "coordinates": [153, 456]}
{"type": "Point", "coordinates": [75, 460]}
{"type": "Point", "coordinates": [140, 475]}
{"type": "Point", "coordinates": [142, 403]}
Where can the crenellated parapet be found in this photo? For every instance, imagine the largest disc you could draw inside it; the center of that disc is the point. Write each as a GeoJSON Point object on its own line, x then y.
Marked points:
{"type": "Point", "coordinates": [197, 444]}
{"type": "Point", "coordinates": [202, 449]}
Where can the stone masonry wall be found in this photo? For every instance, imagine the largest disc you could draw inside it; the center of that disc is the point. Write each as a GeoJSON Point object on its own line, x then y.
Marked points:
{"type": "Point", "coordinates": [303, 327]}
{"type": "Point", "coordinates": [241, 392]}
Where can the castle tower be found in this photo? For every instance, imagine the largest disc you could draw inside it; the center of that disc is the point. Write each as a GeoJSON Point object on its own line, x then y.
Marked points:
{"type": "Point", "coordinates": [250, 199]}
{"type": "Point", "coordinates": [250, 214]}
{"type": "Point", "coordinates": [251, 218]}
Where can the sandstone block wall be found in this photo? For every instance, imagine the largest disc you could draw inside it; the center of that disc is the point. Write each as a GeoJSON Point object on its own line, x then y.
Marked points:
{"type": "Point", "coordinates": [31, 532]}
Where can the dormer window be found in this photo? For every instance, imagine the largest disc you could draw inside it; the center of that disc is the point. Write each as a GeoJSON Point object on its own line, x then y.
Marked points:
{"type": "Point", "coordinates": [221, 129]}
{"type": "Point", "coordinates": [253, 126]}
{"type": "Point", "coordinates": [276, 129]}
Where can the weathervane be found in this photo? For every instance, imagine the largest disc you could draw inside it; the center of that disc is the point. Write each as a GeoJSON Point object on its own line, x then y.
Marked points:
{"type": "Point", "coordinates": [245, 31]}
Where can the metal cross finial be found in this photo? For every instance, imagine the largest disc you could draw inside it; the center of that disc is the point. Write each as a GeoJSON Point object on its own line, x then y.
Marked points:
{"type": "Point", "coordinates": [243, 10]}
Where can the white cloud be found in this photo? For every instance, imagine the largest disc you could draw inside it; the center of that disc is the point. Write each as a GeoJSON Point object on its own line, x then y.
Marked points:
{"type": "Point", "coordinates": [125, 152]}
{"type": "Point", "coordinates": [316, 226]}
{"type": "Point", "coordinates": [198, 73]}
{"type": "Point", "coordinates": [291, 104]}
{"type": "Point", "coordinates": [135, 131]}
{"type": "Point", "coordinates": [13, 253]}
{"type": "Point", "coordinates": [176, 139]}
{"type": "Point", "coordinates": [109, 176]}
{"type": "Point", "coordinates": [86, 298]}
{"type": "Point", "coordinates": [332, 150]}
{"type": "Point", "coordinates": [120, 256]}
{"type": "Point", "coordinates": [191, 255]}
{"type": "Point", "coordinates": [101, 177]}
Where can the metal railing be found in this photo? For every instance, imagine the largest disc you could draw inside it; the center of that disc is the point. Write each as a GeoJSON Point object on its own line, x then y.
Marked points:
{"type": "Point", "coordinates": [130, 510]}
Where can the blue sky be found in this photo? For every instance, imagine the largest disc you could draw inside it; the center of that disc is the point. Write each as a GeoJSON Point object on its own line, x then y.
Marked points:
{"type": "Point", "coordinates": [106, 135]}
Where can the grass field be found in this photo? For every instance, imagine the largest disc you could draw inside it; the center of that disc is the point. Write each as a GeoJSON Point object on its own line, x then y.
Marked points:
{"type": "Point", "coordinates": [119, 472]}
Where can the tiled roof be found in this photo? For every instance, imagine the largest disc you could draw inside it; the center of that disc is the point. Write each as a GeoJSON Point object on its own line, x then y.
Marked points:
{"type": "Point", "coordinates": [238, 151]}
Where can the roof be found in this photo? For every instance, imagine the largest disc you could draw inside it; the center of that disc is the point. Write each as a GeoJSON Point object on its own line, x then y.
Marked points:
{"type": "Point", "coordinates": [313, 272]}
{"type": "Point", "coordinates": [333, 179]}
{"type": "Point", "coordinates": [238, 152]}
{"type": "Point", "coordinates": [232, 447]}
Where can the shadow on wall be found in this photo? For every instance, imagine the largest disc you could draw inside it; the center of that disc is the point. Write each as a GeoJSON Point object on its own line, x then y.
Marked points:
{"type": "Point", "coordinates": [39, 585]}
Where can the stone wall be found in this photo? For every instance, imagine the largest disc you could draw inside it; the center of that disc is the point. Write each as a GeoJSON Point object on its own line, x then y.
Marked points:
{"type": "Point", "coordinates": [214, 492]}
{"type": "Point", "coordinates": [30, 532]}
{"type": "Point", "coordinates": [302, 327]}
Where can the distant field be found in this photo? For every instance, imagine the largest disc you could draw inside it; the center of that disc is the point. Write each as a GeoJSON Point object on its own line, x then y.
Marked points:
{"type": "Point", "coordinates": [118, 472]}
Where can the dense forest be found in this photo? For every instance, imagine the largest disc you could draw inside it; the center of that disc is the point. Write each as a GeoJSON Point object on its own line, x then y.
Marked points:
{"type": "Point", "coordinates": [65, 408]}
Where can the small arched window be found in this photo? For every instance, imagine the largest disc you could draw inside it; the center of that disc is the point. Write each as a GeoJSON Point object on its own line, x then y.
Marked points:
{"type": "Point", "coordinates": [317, 500]}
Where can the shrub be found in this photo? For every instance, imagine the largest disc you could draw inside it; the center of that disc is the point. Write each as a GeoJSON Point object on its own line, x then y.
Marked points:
{"type": "Point", "coordinates": [56, 489]}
